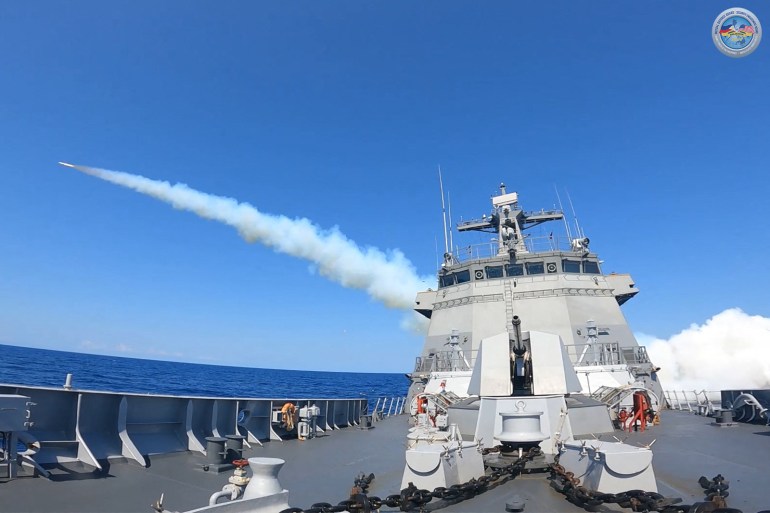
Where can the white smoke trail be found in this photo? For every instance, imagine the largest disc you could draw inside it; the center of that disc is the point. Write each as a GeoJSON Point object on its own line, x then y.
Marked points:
{"type": "Point", "coordinates": [731, 350]}
{"type": "Point", "coordinates": [415, 323]}
{"type": "Point", "coordinates": [388, 277]}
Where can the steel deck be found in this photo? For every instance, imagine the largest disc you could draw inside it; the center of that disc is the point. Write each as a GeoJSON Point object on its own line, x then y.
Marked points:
{"type": "Point", "coordinates": [323, 469]}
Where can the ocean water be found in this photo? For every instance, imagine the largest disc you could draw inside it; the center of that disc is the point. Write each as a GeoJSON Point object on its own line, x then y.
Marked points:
{"type": "Point", "coordinates": [42, 367]}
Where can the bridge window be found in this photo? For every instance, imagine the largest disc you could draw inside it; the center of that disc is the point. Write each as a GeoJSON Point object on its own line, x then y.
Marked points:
{"type": "Point", "coordinates": [514, 270]}
{"type": "Point", "coordinates": [535, 268]}
{"type": "Point", "coordinates": [446, 280]}
{"type": "Point", "coordinates": [590, 267]}
{"type": "Point", "coordinates": [463, 276]}
{"type": "Point", "coordinates": [570, 266]}
{"type": "Point", "coordinates": [495, 271]}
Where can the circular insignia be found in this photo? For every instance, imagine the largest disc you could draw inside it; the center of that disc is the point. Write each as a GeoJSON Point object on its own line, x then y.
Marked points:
{"type": "Point", "coordinates": [736, 32]}
{"type": "Point", "coordinates": [551, 267]}
{"type": "Point", "coordinates": [242, 416]}
{"type": "Point", "coordinates": [479, 274]}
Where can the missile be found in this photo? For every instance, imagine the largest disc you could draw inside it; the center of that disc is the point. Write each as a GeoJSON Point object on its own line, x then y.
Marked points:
{"type": "Point", "coordinates": [67, 165]}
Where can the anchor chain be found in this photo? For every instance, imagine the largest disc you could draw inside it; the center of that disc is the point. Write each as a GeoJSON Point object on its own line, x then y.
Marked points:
{"type": "Point", "coordinates": [565, 482]}
{"type": "Point", "coordinates": [413, 498]}
{"type": "Point", "coordinates": [569, 485]}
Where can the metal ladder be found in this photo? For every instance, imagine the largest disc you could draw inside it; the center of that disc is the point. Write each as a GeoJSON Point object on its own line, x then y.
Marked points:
{"type": "Point", "coordinates": [508, 297]}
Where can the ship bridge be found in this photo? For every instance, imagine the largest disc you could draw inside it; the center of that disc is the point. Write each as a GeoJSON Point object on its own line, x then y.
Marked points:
{"type": "Point", "coordinates": [533, 264]}
{"type": "Point", "coordinates": [513, 253]}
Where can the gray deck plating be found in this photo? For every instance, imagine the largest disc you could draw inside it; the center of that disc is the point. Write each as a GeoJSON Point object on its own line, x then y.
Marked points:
{"type": "Point", "coordinates": [323, 469]}
{"type": "Point", "coordinates": [688, 446]}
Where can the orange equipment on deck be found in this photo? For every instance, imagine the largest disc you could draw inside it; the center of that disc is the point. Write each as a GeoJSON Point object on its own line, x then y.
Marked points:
{"type": "Point", "coordinates": [641, 408]}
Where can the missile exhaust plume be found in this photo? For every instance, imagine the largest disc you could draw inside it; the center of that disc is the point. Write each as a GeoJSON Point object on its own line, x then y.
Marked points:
{"type": "Point", "coordinates": [388, 277]}
{"type": "Point", "coordinates": [731, 350]}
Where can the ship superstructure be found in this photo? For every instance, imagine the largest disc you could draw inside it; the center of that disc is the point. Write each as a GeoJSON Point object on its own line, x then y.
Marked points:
{"type": "Point", "coordinates": [553, 283]}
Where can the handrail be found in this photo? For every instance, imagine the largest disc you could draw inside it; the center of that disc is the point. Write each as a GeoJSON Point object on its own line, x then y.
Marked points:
{"type": "Point", "coordinates": [445, 361]}
{"type": "Point", "coordinates": [534, 244]}
{"type": "Point", "coordinates": [387, 406]}
{"type": "Point", "coordinates": [704, 402]}
{"type": "Point", "coordinates": [606, 353]}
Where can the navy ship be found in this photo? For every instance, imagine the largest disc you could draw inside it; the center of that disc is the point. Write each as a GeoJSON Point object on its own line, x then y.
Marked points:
{"type": "Point", "coordinates": [552, 282]}
{"type": "Point", "coordinates": [530, 394]}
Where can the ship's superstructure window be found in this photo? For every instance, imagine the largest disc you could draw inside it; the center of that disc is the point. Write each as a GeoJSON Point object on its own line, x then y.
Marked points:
{"type": "Point", "coordinates": [535, 268]}
{"type": "Point", "coordinates": [494, 271]}
{"type": "Point", "coordinates": [570, 266]}
{"type": "Point", "coordinates": [590, 267]}
{"type": "Point", "coordinates": [514, 270]}
{"type": "Point", "coordinates": [463, 276]}
{"type": "Point", "coordinates": [447, 280]}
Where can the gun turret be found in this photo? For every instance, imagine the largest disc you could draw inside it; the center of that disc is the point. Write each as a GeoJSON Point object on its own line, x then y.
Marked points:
{"type": "Point", "coordinates": [521, 365]}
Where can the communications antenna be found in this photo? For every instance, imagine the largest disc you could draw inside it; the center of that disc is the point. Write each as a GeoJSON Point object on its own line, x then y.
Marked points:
{"type": "Point", "coordinates": [566, 224]}
{"type": "Point", "coordinates": [574, 215]}
{"type": "Point", "coordinates": [443, 211]}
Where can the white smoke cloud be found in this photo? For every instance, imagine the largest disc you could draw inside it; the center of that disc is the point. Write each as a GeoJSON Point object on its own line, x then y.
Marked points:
{"type": "Point", "coordinates": [731, 350]}
{"type": "Point", "coordinates": [415, 323]}
{"type": "Point", "coordinates": [388, 277]}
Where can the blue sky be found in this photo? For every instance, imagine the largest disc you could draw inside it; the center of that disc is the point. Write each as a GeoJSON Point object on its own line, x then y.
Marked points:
{"type": "Point", "coordinates": [340, 112]}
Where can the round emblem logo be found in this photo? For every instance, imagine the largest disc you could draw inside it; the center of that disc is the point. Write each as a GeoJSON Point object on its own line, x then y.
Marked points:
{"type": "Point", "coordinates": [736, 32]}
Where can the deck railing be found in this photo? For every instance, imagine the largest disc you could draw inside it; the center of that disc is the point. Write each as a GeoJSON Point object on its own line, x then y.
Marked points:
{"type": "Point", "coordinates": [387, 406]}
{"type": "Point", "coordinates": [703, 402]}
{"type": "Point", "coordinates": [607, 353]}
{"type": "Point", "coordinates": [445, 361]}
{"type": "Point", "coordinates": [534, 244]}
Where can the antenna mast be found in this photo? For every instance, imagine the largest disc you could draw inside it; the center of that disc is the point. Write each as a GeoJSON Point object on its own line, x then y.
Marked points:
{"type": "Point", "coordinates": [443, 210]}
{"type": "Point", "coordinates": [574, 215]}
{"type": "Point", "coordinates": [451, 240]}
{"type": "Point", "coordinates": [566, 224]}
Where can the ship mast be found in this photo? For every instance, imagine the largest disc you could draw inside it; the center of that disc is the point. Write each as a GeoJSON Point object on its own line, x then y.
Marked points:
{"type": "Point", "coordinates": [509, 221]}
{"type": "Point", "coordinates": [448, 258]}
